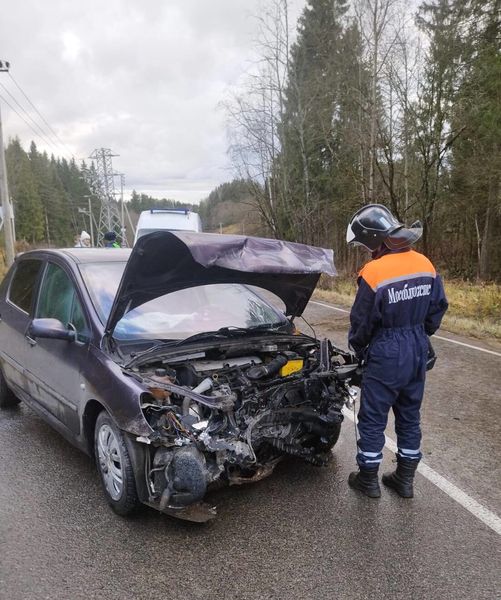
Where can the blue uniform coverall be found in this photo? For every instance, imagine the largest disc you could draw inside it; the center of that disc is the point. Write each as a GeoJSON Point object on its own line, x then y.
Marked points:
{"type": "Point", "coordinates": [399, 303]}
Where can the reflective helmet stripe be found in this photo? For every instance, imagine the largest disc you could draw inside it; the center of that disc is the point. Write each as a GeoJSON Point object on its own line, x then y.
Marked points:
{"type": "Point", "coordinates": [350, 234]}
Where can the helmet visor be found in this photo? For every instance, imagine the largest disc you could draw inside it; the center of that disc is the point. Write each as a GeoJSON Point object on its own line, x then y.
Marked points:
{"type": "Point", "coordinates": [404, 237]}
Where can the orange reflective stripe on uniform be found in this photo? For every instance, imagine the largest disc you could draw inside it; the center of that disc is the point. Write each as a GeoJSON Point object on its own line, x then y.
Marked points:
{"type": "Point", "coordinates": [395, 267]}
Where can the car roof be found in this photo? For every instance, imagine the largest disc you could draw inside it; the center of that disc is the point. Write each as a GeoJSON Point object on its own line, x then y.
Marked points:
{"type": "Point", "coordinates": [85, 255]}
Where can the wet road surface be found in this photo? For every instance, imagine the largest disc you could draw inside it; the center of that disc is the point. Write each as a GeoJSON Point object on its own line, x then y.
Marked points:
{"type": "Point", "coordinates": [300, 534]}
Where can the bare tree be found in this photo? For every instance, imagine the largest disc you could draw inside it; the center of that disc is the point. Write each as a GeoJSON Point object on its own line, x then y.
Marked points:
{"type": "Point", "coordinates": [398, 89]}
{"type": "Point", "coordinates": [256, 113]}
{"type": "Point", "coordinates": [374, 18]}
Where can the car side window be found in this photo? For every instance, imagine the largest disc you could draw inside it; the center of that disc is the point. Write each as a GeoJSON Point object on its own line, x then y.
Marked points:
{"type": "Point", "coordinates": [58, 300]}
{"type": "Point", "coordinates": [79, 321]}
{"type": "Point", "coordinates": [22, 287]}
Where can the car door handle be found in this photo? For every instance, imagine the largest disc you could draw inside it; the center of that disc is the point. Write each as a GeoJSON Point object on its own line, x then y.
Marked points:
{"type": "Point", "coordinates": [31, 341]}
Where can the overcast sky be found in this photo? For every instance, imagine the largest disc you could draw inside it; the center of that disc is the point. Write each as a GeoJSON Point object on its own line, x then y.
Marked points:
{"type": "Point", "coordinates": [143, 78]}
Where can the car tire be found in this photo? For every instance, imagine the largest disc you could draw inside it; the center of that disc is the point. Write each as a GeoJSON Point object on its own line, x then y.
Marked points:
{"type": "Point", "coordinates": [7, 397]}
{"type": "Point", "coordinates": [336, 434]}
{"type": "Point", "coordinates": [114, 466]}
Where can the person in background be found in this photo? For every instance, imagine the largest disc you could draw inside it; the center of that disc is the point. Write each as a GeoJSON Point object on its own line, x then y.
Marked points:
{"type": "Point", "coordinates": [110, 240]}
{"type": "Point", "coordinates": [400, 302]}
{"type": "Point", "coordinates": [83, 240]}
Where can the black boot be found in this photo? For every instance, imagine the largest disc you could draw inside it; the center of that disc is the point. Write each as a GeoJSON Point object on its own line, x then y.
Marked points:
{"type": "Point", "coordinates": [365, 481]}
{"type": "Point", "coordinates": [402, 478]}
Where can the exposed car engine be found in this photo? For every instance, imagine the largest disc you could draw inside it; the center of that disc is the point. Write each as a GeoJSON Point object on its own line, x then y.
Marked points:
{"type": "Point", "coordinates": [230, 414]}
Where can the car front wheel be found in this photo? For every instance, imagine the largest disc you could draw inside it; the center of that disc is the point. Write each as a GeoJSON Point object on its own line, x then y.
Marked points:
{"type": "Point", "coordinates": [7, 397]}
{"type": "Point", "coordinates": [114, 466]}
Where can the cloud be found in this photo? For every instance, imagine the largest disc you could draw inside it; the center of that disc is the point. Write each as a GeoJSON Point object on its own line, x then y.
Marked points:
{"type": "Point", "coordinates": [72, 46]}
{"type": "Point", "coordinates": [142, 78]}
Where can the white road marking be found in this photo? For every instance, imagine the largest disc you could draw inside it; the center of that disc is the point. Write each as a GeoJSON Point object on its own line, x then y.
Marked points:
{"type": "Point", "coordinates": [462, 498]}
{"type": "Point", "coordinates": [475, 508]}
{"type": "Point", "coordinates": [329, 306]}
{"type": "Point", "coordinates": [438, 337]}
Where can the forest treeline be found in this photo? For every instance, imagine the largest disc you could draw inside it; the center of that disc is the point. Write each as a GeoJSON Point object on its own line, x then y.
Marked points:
{"type": "Point", "coordinates": [47, 193]}
{"type": "Point", "coordinates": [231, 205]}
{"type": "Point", "coordinates": [140, 201]}
{"type": "Point", "coordinates": [372, 104]}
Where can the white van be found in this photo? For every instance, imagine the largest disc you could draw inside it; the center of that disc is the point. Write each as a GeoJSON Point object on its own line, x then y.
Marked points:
{"type": "Point", "coordinates": [170, 219]}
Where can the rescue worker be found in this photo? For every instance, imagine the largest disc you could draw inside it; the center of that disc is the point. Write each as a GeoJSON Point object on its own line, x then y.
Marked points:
{"type": "Point", "coordinates": [399, 303]}
{"type": "Point", "coordinates": [110, 240]}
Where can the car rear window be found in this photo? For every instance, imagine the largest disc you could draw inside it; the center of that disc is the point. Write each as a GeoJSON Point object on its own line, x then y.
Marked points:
{"type": "Point", "coordinates": [23, 284]}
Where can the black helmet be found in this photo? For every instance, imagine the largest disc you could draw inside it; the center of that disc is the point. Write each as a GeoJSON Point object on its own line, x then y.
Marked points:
{"type": "Point", "coordinates": [374, 225]}
{"type": "Point", "coordinates": [110, 236]}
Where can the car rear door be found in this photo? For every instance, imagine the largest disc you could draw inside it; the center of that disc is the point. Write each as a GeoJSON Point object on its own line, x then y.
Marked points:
{"type": "Point", "coordinates": [20, 290]}
{"type": "Point", "coordinates": [56, 365]}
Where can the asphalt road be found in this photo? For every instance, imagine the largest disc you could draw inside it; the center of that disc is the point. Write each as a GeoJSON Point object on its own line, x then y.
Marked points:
{"type": "Point", "coordinates": [301, 534]}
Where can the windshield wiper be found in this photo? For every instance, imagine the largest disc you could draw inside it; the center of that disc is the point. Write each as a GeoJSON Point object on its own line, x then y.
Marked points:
{"type": "Point", "coordinates": [222, 333]}
{"type": "Point", "coordinates": [232, 331]}
{"type": "Point", "coordinates": [151, 350]}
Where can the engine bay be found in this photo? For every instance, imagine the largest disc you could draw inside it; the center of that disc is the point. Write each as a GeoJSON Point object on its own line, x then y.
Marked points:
{"type": "Point", "coordinates": [229, 414]}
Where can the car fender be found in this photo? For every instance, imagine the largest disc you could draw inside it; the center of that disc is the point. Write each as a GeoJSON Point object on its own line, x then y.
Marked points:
{"type": "Point", "coordinates": [119, 394]}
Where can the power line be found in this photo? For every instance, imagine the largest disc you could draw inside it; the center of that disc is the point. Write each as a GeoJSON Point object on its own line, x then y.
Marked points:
{"type": "Point", "coordinates": [43, 133]}
{"type": "Point", "coordinates": [23, 119]}
{"type": "Point", "coordinates": [41, 116]}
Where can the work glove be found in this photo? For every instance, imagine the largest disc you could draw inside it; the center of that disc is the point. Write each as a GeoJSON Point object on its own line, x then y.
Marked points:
{"type": "Point", "coordinates": [357, 356]}
{"type": "Point", "coordinates": [362, 356]}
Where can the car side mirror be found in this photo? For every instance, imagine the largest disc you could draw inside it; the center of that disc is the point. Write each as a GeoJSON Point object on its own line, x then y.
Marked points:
{"type": "Point", "coordinates": [52, 329]}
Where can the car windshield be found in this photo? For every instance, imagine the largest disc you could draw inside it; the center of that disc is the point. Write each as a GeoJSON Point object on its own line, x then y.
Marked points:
{"type": "Point", "coordinates": [179, 314]}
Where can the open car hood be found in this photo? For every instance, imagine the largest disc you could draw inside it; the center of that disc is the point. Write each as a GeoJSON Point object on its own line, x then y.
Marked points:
{"type": "Point", "coordinates": [165, 261]}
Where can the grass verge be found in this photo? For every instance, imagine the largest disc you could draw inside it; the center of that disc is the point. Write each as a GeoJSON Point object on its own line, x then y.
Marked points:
{"type": "Point", "coordinates": [474, 308]}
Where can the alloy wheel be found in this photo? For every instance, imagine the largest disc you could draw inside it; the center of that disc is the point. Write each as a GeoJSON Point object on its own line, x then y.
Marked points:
{"type": "Point", "coordinates": [110, 461]}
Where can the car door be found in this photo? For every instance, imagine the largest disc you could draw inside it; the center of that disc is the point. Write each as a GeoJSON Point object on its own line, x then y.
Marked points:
{"type": "Point", "coordinates": [56, 365]}
{"type": "Point", "coordinates": [15, 318]}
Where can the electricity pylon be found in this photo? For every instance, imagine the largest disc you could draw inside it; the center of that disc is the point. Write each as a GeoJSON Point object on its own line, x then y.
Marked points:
{"type": "Point", "coordinates": [101, 180]}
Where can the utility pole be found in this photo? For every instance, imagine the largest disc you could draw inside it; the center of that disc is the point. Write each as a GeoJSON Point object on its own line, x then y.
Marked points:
{"type": "Point", "coordinates": [91, 219]}
{"type": "Point", "coordinates": [47, 231]}
{"type": "Point", "coordinates": [7, 212]}
{"type": "Point", "coordinates": [89, 214]}
{"type": "Point", "coordinates": [122, 215]}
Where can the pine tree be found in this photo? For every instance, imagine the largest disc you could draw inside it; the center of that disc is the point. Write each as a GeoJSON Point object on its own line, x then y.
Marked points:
{"type": "Point", "coordinates": [28, 208]}
{"type": "Point", "coordinates": [317, 134]}
{"type": "Point", "coordinates": [476, 158]}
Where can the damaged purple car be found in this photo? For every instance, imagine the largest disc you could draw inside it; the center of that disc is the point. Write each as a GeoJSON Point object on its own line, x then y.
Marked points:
{"type": "Point", "coordinates": [170, 365]}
